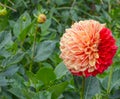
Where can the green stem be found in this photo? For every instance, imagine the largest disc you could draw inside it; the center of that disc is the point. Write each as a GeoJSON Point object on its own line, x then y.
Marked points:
{"type": "Point", "coordinates": [34, 44]}
{"type": "Point", "coordinates": [109, 79]}
{"type": "Point", "coordinates": [83, 88]}
{"type": "Point", "coordinates": [30, 68]}
{"type": "Point", "coordinates": [109, 6]}
{"type": "Point", "coordinates": [3, 5]}
{"type": "Point", "coordinates": [33, 53]}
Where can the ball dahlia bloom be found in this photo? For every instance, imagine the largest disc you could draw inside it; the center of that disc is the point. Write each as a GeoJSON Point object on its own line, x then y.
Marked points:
{"type": "Point", "coordinates": [87, 48]}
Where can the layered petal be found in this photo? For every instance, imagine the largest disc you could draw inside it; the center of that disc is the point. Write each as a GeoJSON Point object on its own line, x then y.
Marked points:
{"type": "Point", "coordinates": [87, 48]}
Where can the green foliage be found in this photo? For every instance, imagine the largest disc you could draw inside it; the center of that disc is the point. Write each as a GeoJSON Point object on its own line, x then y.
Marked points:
{"type": "Point", "coordinates": [44, 50]}
{"type": "Point", "coordinates": [30, 66]}
{"type": "Point", "coordinates": [60, 70]}
{"type": "Point", "coordinates": [92, 87]}
{"type": "Point", "coordinates": [45, 75]}
{"type": "Point", "coordinates": [57, 89]}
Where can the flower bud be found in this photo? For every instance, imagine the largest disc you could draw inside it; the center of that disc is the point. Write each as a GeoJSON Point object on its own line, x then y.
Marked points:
{"type": "Point", "coordinates": [3, 12]}
{"type": "Point", "coordinates": [41, 18]}
{"type": "Point", "coordinates": [24, 18]}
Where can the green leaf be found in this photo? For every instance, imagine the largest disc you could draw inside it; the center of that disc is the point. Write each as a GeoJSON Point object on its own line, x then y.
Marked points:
{"type": "Point", "coordinates": [21, 24]}
{"type": "Point", "coordinates": [44, 50]}
{"type": "Point", "coordinates": [13, 59]}
{"type": "Point", "coordinates": [33, 81]}
{"type": "Point", "coordinates": [25, 31]}
{"type": "Point", "coordinates": [3, 81]}
{"type": "Point", "coordinates": [61, 2]}
{"type": "Point", "coordinates": [57, 90]}
{"type": "Point", "coordinates": [4, 53]}
{"type": "Point", "coordinates": [60, 70]}
{"type": "Point", "coordinates": [92, 87]}
{"type": "Point", "coordinates": [115, 81]}
{"type": "Point", "coordinates": [42, 95]}
{"type": "Point", "coordinates": [71, 95]}
{"type": "Point", "coordinates": [115, 95]}
{"type": "Point", "coordinates": [10, 71]}
{"type": "Point", "coordinates": [45, 26]}
{"type": "Point", "coordinates": [46, 75]}
{"type": "Point", "coordinates": [5, 39]}
{"type": "Point", "coordinates": [3, 23]}
{"type": "Point", "coordinates": [17, 92]}
{"type": "Point", "coordinates": [105, 82]}
{"type": "Point", "coordinates": [5, 95]}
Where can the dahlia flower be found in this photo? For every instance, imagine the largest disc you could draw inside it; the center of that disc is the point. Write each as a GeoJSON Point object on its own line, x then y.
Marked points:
{"type": "Point", "coordinates": [87, 48]}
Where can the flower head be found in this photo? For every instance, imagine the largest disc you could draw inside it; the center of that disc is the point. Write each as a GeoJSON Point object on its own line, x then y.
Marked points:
{"type": "Point", "coordinates": [87, 48]}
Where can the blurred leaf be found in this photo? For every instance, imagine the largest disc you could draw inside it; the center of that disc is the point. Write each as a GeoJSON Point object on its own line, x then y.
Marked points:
{"type": "Point", "coordinates": [92, 87]}
{"type": "Point", "coordinates": [33, 81]}
{"type": "Point", "coordinates": [44, 50]}
{"type": "Point", "coordinates": [115, 80]}
{"type": "Point", "coordinates": [105, 82]}
{"type": "Point", "coordinates": [21, 24]}
{"type": "Point", "coordinates": [13, 59]}
{"type": "Point", "coordinates": [60, 2]}
{"type": "Point", "coordinates": [17, 92]}
{"type": "Point", "coordinates": [10, 71]}
{"type": "Point", "coordinates": [55, 58]}
{"type": "Point", "coordinates": [46, 75]}
{"type": "Point", "coordinates": [57, 90]}
{"type": "Point", "coordinates": [71, 95]}
{"type": "Point", "coordinates": [4, 53]}
{"type": "Point", "coordinates": [74, 15]}
{"type": "Point", "coordinates": [60, 70]}
{"type": "Point", "coordinates": [107, 16]}
{"type": "Point", "coordinates": [3, 23]}
{"type": "Point", "coordinates": [3, 81]}
{"type": "Point", "coordinates": [98, 8]}
{"type": "Point", "coordinates": [23, 92]}
{"type": "Point", "coordinates": [65, 15]}
{"type": "Point", "coordinates": [4, 95]}
{"type": "Point", "coordinates": [35, 1]}
{"type": "Point", "coordinates": [12, 23]}
{"type": "Point", "coordinates": [42, 95]}
{"type": "Point", "coordinates": [115, 95]}
{"type": "Point", "coordinates": [45, 26]}
{"type": "Point", "coordinates": [26, 30]}
{"type": "Point", "coordinates": [5, 39]}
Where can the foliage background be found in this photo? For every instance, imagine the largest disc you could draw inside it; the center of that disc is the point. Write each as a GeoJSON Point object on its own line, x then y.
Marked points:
{"type": "Point", "coordinates": [26, 73]}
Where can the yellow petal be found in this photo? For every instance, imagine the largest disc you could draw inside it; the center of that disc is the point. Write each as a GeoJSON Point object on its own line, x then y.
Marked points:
{"type": "Point", "coordinates": [91, 69]}
{"type": "Point", "coordinates": [96, 55]}
{"type": "Point", "coordinates": [92, 62]}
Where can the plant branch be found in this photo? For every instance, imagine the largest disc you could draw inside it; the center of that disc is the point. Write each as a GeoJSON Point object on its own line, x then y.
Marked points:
{"type": "Point", "coordinates": [11, 2]}
{"type": "Point", "coordinates": [3, 5]}
{"type": "Point", "coordinates": [34, 48]}
{"type": "Point", "coordinates": [83, 87]}
{"type": "Point", "coordinates": [34, 44]}
{"type": "Point", "coordinates": [73, 4]}
{"type": "Point", "coordinates": [109, 79]}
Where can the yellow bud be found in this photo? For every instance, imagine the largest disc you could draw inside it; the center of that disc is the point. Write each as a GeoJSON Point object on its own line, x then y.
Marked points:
{"type": "Point", "coordinates": [24, 18]}
{"type": "Point", "coordinates": [3, 12]}
{"type": "Point", "coordinates": [41, 18]}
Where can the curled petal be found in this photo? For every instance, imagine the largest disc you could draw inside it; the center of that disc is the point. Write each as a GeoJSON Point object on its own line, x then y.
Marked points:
{"type": "Point", "coordinates": [87, 48]}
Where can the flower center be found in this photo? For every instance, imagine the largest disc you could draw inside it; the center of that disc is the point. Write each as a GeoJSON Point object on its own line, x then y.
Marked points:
{"type": "Point", "coordinates": [91, 52]}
